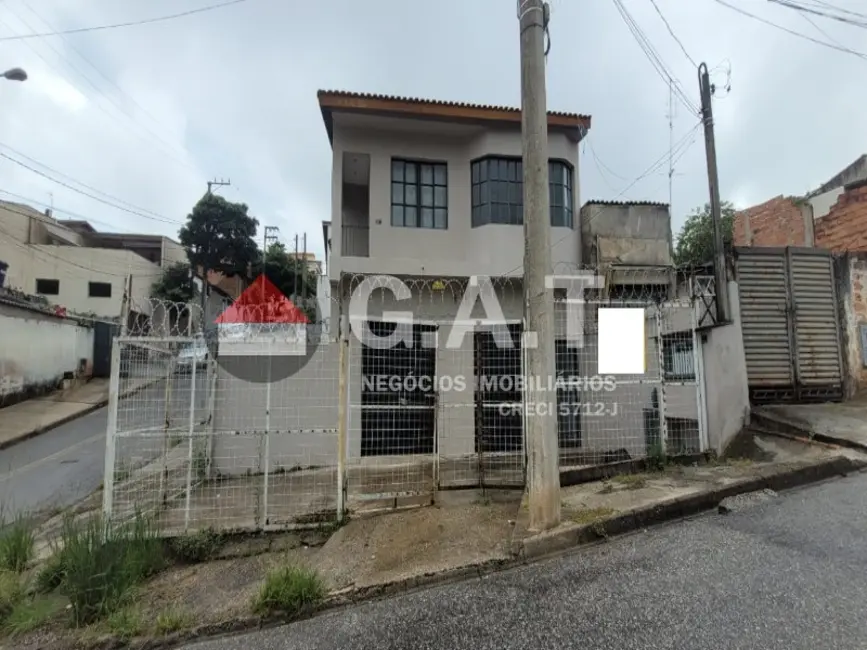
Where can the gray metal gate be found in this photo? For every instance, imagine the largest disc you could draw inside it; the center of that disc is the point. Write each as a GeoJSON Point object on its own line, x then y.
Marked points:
{"type": "Point", "coordinates": [790, 324]}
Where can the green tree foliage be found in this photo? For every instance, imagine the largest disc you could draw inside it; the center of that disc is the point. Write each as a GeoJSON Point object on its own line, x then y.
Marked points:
{"type": "Point", "coordinates": [287, 274]}
{"type": "Point", "coordinates": [174, 285]}
{"type": "Point", "coordinates": [695, 242]}
{"type": "Point", "coordinates": [220, 236]}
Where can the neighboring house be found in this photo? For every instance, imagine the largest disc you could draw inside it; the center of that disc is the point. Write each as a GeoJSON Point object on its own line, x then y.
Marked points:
{"type": "Point", "coordinates": [314, 266]}
{"type": "Point", "coordinates": [834, 216]}
{"type": "Point", "coordinates": [75, 266]}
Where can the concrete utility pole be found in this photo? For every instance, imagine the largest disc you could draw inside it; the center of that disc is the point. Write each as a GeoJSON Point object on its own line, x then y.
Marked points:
{"type": "Point", "coordinates": [218, 183]}
{"type": "Point", "coordinates": [269, 239]}
{"type": "Point", "coordinates": [719, 254]}
{"type": "Point", "coordinates": [543, 473]}
{"type": "Point", "coordinates": [304, 273]}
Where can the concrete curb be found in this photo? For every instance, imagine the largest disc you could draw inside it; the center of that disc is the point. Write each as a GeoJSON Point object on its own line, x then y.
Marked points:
{"type": "Point", "coordinates": [530, 550]}
{"type": "Point", "coordinates": [778, 424]}
{"type": "Point", "coordinates": [32, 433]}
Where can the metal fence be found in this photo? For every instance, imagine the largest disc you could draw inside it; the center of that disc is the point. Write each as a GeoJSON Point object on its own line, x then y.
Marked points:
{"type": "Point", "coordinates": [425, 392]}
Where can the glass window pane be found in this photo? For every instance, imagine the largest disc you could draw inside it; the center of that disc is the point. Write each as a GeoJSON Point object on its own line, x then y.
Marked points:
{"type": "Point", "coordinates": [568, 222]}
{"type": "Point", "coordinates": [485, 214]}
{"type": "Point", "coordinates": [493, 170]}
{"type": "Point", "coordinates": [427, 195]}
{"type": "Point", "coordinates": [553, 195]}
{"type": "Point", "coordinates": [567, 196]}
{"type": "Point", "coordinates": [515, 194]}
{"type": "Point", "coordinates": [521, 171]}
{"type": "Point", "coordinates": [483, 170]}
{"type": "Point", "coordinates": [567, 176]}
{"type": "Point", "coordinates": [441, 197]}
{"type": "Point", "coordinates": [427, 218]}
{"type": "Point", "coordinates": [513, 170]}
{"type": "Point", "coordinates": [397, 170]}
{"type": "Point", "coordinates": [475, 216]}
{"type": "Point", "coordinates": [397, 193]}
{"type": "Point", "coordinates": [427, 174]}
{"type": "Point", "coordinates": [515, 214]}
{"type": "Point", "coordinates": [483, 190]}
{"type": "Point", "coordinates": [411, 195]}
{"type": "Point", "coordinates": [410, 217]}
{"type": "Point", "coordinates": [396, 215]}
{"type": "Point", "coordinates": [411, 173]}
{"type": "Point", "coordinates": [556, 216]}
{"type": "Point", "coordinates": [475, 172]}
{"type": "Point", "coordinates": [441, 218]}
{"type": "Point", "coordinates": [504, 170]}
{"type": "Point", "coordinates": [475, 195]}
{"type": "Point", "coordinates": [440, 174]}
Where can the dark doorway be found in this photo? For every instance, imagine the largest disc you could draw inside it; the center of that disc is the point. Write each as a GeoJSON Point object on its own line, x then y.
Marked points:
{"type": "Point", "coordinates": [499, 422]}
{"type": "Point", "coordinates": [398, 396]}
{"type": "Point", "coordinates": [568, 395]}
{"type": "Point", "coordinates": [103, 335]}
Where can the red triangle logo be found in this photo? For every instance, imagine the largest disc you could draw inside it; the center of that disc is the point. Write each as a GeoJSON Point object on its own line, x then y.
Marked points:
{"type": "Point", "coordinates": [262, 302]}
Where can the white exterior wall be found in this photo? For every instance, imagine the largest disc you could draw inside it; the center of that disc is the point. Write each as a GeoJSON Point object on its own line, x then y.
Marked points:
{"type": "Point", "coordinates": [173, 253]}
{"type": "Point", "coordinates": [75, 267]}
{"type": "Point", "coordinates": [37, 349]}
{"type": "Point", "coordinates": [460, 250]}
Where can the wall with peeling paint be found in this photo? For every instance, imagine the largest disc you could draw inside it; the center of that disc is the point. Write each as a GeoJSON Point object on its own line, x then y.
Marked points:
{"type": "Point", "coordinates": [851, 271]}
{"type": "Point", "coordinates": [37, 350]}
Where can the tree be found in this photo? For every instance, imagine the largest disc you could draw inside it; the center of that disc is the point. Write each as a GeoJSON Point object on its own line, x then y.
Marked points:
{"type": "Point", "coordinates": [219, 236]}
{"type": "Point", "coordinates": [174, 285]}
{"type": "Point", "coordinates": [695, 242]}
{"type": "Point", "coordinates": [287, 274]}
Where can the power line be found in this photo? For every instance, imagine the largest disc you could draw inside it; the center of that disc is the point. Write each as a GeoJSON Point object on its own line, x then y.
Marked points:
{"type": "Point", "coordinates": [673, 35]}
{"type": "Point", "coordinates": [81, 55]}
{"type": "Point", "coordinates": [817, 12]}
{"type": "Point", "coordinates": [839, 48]}
{"type": "Point", "coordinates": [133, 23]}
{"type": "Point", "coordinates": [92, 196]}
{"type": "Point", "coordinates": [654, 57]}
{"type": "Point", "coordinates": [85, 185]}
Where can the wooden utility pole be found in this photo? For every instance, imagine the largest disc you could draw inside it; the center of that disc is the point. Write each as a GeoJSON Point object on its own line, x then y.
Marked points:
{"type": "Point", "coordinates": [719, 253]}
{"type": "Point", "coordinates": [543, 472]}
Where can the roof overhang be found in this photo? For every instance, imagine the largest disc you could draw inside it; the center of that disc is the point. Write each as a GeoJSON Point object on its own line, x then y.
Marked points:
{"type": "Point", "coordinates": [330, 102]}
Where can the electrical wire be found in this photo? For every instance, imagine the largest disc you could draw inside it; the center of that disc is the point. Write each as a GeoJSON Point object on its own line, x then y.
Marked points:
{"type": "Point", "coordinates": [673, 35]}
{"type": "Point", "coordinates": [655, 59]}
{"type": "Point", "coordinates": [132, 23]}
{"type": "Point", "coordinates": [817, 12]}
{"type": "Point", "coordinates": [839, 48]}
{"type": "Point", "coordinates": [89, 187]}
{"type": "Point", "coordinates": [184, 153]}
{"type": "Point", "coordinates": [87, 194]}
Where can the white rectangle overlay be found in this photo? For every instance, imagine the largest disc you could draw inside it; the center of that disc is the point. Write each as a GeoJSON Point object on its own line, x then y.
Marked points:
{"type": "Point", "coordinates": [621, 349]}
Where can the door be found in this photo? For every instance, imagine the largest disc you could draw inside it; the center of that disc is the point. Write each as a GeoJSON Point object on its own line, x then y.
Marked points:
{"type": "Point", "coordinates": [398, 396]}
{"type": "Point", "coordinates": [103, 336]}
{"type": "Point", "coordinates": [499, 425]}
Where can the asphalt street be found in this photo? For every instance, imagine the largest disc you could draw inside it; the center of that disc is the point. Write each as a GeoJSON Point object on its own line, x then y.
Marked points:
{"type": "Point", "coordinates": [62, 466]}
{"type": "Point", "coordinates": [788, 573]}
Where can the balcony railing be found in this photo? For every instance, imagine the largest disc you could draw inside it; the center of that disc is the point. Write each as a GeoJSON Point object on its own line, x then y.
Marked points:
{"type": "Point", "coordinates": [355, 241]}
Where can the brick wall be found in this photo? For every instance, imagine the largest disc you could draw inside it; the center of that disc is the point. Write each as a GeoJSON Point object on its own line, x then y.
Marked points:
{"type": "Point", "coordinates": [844, 228]}
{"type": "Point", "coordinates": [778, 222]}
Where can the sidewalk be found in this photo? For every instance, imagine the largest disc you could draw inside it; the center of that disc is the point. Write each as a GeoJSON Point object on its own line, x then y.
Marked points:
{"type": "Point", "coordinates": [35, 416]}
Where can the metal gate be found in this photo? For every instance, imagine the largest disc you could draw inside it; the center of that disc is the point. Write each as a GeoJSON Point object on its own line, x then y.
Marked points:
{"type": "Point", "coordinates": [790, 324]}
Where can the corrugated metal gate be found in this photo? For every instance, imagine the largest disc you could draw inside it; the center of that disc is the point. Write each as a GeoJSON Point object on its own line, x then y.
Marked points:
{"type": "Point", "coordinates": [791, 329]}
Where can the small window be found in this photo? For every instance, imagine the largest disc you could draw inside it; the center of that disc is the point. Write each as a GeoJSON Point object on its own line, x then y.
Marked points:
{"type": "Point", "coordinates": [419, 194]}
{"type": "Point", "coordinates": [99, 289]}
{"type": "Point", "coordinates": [48, 287]}
{"type": "Point", "coordinates": [678, 357]}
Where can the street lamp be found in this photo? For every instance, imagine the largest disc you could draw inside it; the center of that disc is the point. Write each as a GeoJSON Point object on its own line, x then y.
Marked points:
{"type": "Point", "coordinates": [15, 74]}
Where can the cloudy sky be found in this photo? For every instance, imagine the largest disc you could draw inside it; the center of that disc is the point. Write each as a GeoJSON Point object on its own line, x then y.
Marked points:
{"type": "Point", "coordinates": [144, 116]}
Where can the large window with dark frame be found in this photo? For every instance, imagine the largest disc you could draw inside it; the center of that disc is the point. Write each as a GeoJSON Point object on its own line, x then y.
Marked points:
{"type": "Point", "coordinates": [498, 192]}
{"type": "Point", "coordinates": [419, 194]}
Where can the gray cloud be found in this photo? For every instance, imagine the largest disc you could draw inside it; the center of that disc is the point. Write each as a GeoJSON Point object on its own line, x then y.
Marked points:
{"type": "Point", "coordinates": [232, 93]}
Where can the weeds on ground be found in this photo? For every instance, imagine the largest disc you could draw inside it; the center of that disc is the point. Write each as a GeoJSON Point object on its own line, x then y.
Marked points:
{"type": "Point", "coordinates": [31, 613]}
{"type": "Point", "coordinates": [102, 563]}
{"type": "Point", "coordinates": [11, 593]}
{"type": "Point", "coordinates": [656, 458]}
{"type": "Point", "coordinates": [197, 547]}
{"type": "Point", "coordinates": [590, 515]}
{"type": "Point", "coordinates": [17, 541]}
{"type": "Point", "coordinates": [125, 622]}
{"type": "Point", "coordinates": [289, 589]}
{"type": "Point", "coordinates": [172, 620]}
{"type": "Point", "coordinates": [50, 574]}
{"type": "Point", "coordinates": [631, 481]}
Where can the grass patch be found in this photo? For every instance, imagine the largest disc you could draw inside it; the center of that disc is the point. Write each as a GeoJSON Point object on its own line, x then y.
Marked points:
{"type": "Point", "coordinates": [172, 620]}
{"type": "Point", "coordinates": [11, 593]}
{"type": "Point", "coordinates": [589, 515]}
{"type": "Point", "coordinates": [631, 481]}
{"type": "Point", "coordinates": [102, 563]}
{"type": "Point", "coordinates": [17, 541]}
{"type": "Point", "coordinates": [739, 462]}
{"type": "Point", "coordinates": [197, 547]}
{"type": "Point", "coordinates": [50, 574]}
{"type": "Point", "coordinates": [289, 589]}
{"type": "Point", "coordinates": [125, 622]}
{"type": "Point", "coordinates": [32, 613]}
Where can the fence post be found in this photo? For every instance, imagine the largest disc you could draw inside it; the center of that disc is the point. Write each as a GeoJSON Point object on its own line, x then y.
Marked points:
{"type": "Point", "coordinates": [660, 350]}
{"type": "Point", "coordinates": [342, 408]}
{"type": "Point", "coordinates": [111, 432]}
{"type": "Point", "coordinates": [267, 452]}
{"type": "Point", "coordinates": [192, 428]}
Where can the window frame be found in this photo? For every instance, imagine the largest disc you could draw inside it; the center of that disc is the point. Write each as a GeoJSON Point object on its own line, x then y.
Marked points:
{"type": "Point", "coordinates": [439, 202]}
{"type": "Point", "coordinates": [482, 203]}
{"type": "Point", "coordinates": [670, 369]}
{"type": "Point", "coordinates": [90, 286]}
{"type": "Point", "coordinates": [56, 292]}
